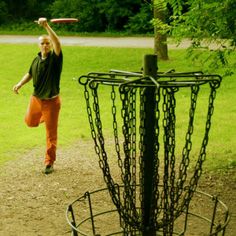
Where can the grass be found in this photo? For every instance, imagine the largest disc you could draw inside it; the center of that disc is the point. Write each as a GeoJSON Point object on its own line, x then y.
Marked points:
{"type": "Point", "coordinates": [16, 138]}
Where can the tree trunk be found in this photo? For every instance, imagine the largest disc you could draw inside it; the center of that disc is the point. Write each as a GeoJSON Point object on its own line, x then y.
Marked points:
{"type": "Point", "coordinates": [160, 40]}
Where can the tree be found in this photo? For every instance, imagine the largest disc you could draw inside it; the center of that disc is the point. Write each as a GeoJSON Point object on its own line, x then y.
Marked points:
{"type": "Point", "coordinates": [202, 21]}
{"type": "Point", "coordinates": [163, 12]}
{"type": "Point", "coordinates": [87, 12]}
{"type": "Point", "coordinates": [3, 12]}
{"type": "Point", "coordinates": [206, 22]}
{"type": "Point", "coordinates": [97, 15]}
{"type": "Point", "coordinates": [140, 22]}
{"type": "Point", "coordinates": [160, 36]}
{"type": "Point", "coordinates": [25, 9]}
{"type": "Point", "coordinates": [208, 19]}
{"type": "Point", "coordinates": [118, 13]}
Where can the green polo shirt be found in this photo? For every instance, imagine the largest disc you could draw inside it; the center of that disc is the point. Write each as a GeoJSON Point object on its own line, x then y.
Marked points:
{"type": "Point", "coordinates": [46, 75]}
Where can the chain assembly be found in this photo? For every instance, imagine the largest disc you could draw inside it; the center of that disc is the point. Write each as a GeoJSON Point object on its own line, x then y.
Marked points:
{"type": "Point", "coordinates": [172, 186]}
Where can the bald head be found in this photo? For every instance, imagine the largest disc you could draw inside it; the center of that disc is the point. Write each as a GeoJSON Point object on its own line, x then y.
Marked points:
{"type": "Point", "coordinates": [44, 37]}
{"type": "Point", "coordinates": [45, 44]}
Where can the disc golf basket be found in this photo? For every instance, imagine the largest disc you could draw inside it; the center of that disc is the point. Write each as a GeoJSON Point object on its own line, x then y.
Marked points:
{"type": "Point", "coordinates": [154, 161]}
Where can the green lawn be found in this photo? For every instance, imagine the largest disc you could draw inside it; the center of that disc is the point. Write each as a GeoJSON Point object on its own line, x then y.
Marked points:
{"type": "Point", "coordinates": [16, 138]}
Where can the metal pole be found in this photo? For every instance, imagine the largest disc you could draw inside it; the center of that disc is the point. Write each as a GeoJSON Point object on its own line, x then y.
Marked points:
{"type": "Point", "coordinates": [148, 201]}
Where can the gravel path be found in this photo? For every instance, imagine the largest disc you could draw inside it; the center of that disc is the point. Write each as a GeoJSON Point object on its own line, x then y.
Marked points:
{"type": "Point", "coordinates": [34, 204]}
{"type": "Point", "coordinates": [135, 42]}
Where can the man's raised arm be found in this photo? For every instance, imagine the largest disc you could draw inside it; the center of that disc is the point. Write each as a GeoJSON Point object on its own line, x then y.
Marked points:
{"type": "Point", "coordinates": [53, 36]}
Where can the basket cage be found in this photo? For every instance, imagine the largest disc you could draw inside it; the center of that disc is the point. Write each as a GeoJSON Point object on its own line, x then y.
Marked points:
{"type": "Point", "coordinates": [152, 160]}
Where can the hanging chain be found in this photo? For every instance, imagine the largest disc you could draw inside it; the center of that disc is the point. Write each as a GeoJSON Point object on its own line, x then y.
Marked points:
{"type": "Point", "coordinates": [156, 176]}
{"type": "Point", "coordinates": [100, 151]}
{"type": "Point", "coordinates": [172, 197]}
{"type": "Point", "coordinates": [169, 159]}
{"type": "Point", "coordinates": [187, 147]}
{"type": "Point", "coordinates": [202, 156]}
{"type": "Point", "coordinates": [128, 113]}
{"type": "Point", "coordinates": [141, 143]}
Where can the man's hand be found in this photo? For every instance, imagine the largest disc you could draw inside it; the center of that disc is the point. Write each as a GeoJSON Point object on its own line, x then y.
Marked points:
{"type": "Point", "coordinates": [26, 78]}
{"type": "Point", "coordinates": [42, 21]}
{"type": "Point", "coordinates": [16, 88]}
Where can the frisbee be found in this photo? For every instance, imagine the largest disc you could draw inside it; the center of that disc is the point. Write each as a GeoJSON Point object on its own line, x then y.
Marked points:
{"type": "Point", "coordinates": [64, 20]}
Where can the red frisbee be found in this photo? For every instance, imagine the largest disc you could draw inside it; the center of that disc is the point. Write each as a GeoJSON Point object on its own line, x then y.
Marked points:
{"type": "Point", "coordinates": [64, 20]}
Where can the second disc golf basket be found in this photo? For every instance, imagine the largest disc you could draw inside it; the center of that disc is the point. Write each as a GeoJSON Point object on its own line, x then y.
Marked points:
{"type": "Point", "coordinates": [153, 159]}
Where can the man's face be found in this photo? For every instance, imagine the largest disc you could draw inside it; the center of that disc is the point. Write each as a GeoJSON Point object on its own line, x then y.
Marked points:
{"type": "Point", "coordinates": [44, 45]}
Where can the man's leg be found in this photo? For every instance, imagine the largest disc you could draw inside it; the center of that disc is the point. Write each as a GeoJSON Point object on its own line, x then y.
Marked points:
{"type": "Point", "coordinates": [50, 109]}
{"type": "Point", "coordinates": [34, 114]}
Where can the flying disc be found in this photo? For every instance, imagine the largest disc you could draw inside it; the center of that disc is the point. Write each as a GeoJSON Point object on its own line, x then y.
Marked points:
{"type": "Point", "coordinates": [64, 20]}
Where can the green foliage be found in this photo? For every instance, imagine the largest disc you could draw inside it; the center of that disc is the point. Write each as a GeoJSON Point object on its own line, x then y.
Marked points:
{"type": "Point", "coordinates": [94, 15]}
{"type": "Point", "coordinates": [177, 6]}
{"type": "Point", "coordinates": [172, 8]}
{"type": "Point", "coordinates": [117, 13]}
{"type": "Point", "coordinates": [3, 12]}
{"type": "Point", "coordinates": [212, 60]}
{"type": "Point", "coordinates": [209, 24]}
{"type": "Point", "coordinates": [86, 11]}
{"type": "Point", "coordinates": [22, 26]}
{"type": "Point", "coordinates": [26, 9]}
{"type": "Point", "coordinates": [142, 21]}
{"type": "Point", "coordinates": [99, 16]}
{"type": "Point", "coordinates": [160, 4]}
{"type": "Point", "coordinates": [208, 19]}
{"type": "Point", "coordinates": [161, 26]}
{"type": "Point", "coordinates": [164, 13]}
{"type": "Point", "coordinates": [189, 18]}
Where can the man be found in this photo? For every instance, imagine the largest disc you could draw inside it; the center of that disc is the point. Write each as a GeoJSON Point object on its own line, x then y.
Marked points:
{"type": "Point", "coordinates": [44, 105]}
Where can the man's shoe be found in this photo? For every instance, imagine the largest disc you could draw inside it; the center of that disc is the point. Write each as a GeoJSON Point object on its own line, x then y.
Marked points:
{"type": "Point", "coordinates": [48, 169]}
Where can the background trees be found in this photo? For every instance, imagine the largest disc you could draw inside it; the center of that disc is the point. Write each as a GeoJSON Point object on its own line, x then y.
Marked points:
{"type": "Point", "coordinates": [3, 11]}
{"type": "Point", "coordinates": [25, 9]}
{"type": "Point", "coordinates": [95, 15]}
{"type": "Point", "coordinates": [207, 19]}
{"type": "Point", "coordinates": [189, 18]}
{"type": "Point", "coordinates": [87, 12]}
{"type": "Point", "coordinates": [208, 22]}
{"type": "Point", "coordinates": [198, 20]}
{"type": "Point", "coordinates": [106, 15]}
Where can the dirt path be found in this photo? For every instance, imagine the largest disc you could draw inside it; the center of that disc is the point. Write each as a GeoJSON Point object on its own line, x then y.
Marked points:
{"type": "Point", "coordinates": [33, 204]}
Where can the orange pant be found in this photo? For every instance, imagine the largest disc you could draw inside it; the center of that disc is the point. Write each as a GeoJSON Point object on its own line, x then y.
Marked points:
{"type": "Point", "coordinates": [40, 110]}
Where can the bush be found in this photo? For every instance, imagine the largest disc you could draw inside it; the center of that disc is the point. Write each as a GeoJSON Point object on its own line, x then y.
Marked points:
{"type": "Point", "coordinates": [3, 12]}
{"type": "Point", "coordinates": [141, 22]}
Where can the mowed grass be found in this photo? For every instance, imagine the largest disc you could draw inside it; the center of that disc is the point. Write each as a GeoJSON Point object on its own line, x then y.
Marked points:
{"type": "Point", "coordinates": [16, 138]}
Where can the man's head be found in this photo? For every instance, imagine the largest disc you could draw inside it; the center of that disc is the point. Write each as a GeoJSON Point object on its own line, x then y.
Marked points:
{"type": "Point", "coordinates": [45, 44]}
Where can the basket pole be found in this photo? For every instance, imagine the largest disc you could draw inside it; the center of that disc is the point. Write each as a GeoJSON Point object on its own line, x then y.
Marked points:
{"type": "Point", "coordinates": [147, 180]}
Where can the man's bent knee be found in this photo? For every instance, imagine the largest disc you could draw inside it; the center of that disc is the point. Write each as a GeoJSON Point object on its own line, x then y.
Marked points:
{"type": "Point", "coordinates": [31, 123]}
